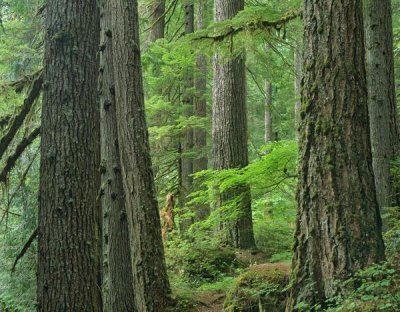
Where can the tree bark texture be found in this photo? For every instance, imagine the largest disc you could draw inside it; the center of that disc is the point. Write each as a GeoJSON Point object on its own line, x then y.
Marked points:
{"type": "Point", "coordinates": [69, 216]}
{"type": "Point", "coordinates": [157, 20]}
{"type": "Point", "coordinates": [118, 292]}
{"type": "Point", "coordinates": [152, 291]}
{"type": "Point", "coordinates": [230, 131]}
{"type": "Point", "coordinates": [268, 113]}
{"type": "Point", "coordinates": [381, 94]}
{"type": "Point", "coordinates": [338, 226]}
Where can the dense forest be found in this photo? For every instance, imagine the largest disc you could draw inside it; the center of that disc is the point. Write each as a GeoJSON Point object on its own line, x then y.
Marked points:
{"type": "Point", "coordinates": [199, 155]}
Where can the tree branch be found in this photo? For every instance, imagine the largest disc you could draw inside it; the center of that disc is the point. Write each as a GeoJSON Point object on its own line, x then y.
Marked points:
{"type": "Point", "coordinates": [20, 118]}
{"type": "Point", "coordinates": [253, 25]}
{"type": "Point", "coordinates": [25, 248]}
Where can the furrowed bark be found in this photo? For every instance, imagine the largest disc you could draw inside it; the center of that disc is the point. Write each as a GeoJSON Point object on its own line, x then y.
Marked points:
{"type": "Point", "coordinates": [338, 224]}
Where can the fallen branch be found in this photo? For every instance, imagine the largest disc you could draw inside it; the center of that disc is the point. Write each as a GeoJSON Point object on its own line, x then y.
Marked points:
{"type": "Point", "coordinates": [10, 163]}
{"type": "Point", "coordinates": [19, 119]}
{"type": "Point", "coordinates": [25, 248]}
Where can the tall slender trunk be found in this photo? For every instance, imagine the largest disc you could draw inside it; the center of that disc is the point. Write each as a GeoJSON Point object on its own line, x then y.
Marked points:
{"type": "Point", "coordinates": [338, 225]}
{"type": "Point", "coordinates": [69, 216]}
{"type": "Point", "coordinates": [187, 140]}
{"type": "Point", "coordinates": [118, 293]}
{"type": "Point", "coordinates": [157, 20]}
{"type": "Point", "coordinates": [230, 132]}
{"type": "Point", "coordinates": [200, 102]}
{"type": "Point", "coordinates": [200, 109]}
{"type": "Point", "coordinates": [268, 112]}
{"type": "Point", "coordinates": [381, 94]}
{"type": "Point", "coordinates": [150, 281]}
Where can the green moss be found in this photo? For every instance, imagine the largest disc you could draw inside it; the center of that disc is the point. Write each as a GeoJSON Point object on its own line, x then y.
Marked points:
{"type": "Point", "coordinates": [261, 288]}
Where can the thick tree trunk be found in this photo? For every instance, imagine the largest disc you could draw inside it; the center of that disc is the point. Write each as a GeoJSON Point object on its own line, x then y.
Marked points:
{"type": "Point", "coordinates": [157, 20]}
{"type": "Point", "coordinates": [187, 140]}
{"type": "Point", "coordinates": [268, 113]}
{"type": "Point", "coordinates": [298, 72]}
{"type": "Point", "coordinates": [118, 293]}
{"type": "Point", "coordinates": [69, 216]}
{"type": "Point", "coordinates": [230, 132]}
{"type": "Point", "coordinates": [381, 94]}
{"type": "Point", "coordinates": [152, 291]}
{"type": "Point", "coordinates": [338, 227]}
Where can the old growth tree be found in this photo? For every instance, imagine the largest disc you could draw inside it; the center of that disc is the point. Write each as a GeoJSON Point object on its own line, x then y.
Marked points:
{"type": "Point", "coordinates": [338, 225]}
{"type": "Point", "coordinates": [68, 276]}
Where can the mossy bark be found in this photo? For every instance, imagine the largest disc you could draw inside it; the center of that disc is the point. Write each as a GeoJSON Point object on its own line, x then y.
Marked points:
{"type": "Point", "coordinates": [338, 225]}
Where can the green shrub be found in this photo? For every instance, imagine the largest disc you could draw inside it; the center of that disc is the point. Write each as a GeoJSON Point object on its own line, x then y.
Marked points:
{"type": "Point", "coordinates": [375, 288]}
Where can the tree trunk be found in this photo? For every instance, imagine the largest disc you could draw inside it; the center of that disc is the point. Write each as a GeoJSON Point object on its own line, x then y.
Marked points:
{"type": "Point", "coordinates": [157, 20]}
{"type": "Point", "coordinates": [200, 109]}
{"type": "Point", "coordinates": [381, 94]}
{"type": "Point", "coordinates": [200, 103]}
{"type": "Point", "coordinates": [338, 227]}
{"type": "Point", "coordinates": [152, 291]}
{"type": "Point", "coordinates": [69, 216]}
{"type": "Point", "coordinates": [118, 293]}
{"type": "Point", "coordinates": [187, 140]}
{"type": "Point", "coordinates": [230, 132]}
{"type": "Point", "coordinates": [298, 72]}
{"type": "Point", "coordinates": [268, 113]}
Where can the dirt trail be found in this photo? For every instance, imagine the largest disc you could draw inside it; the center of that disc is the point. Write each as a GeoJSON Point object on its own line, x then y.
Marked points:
{"type": "Point", "coordinates": [210, 302]}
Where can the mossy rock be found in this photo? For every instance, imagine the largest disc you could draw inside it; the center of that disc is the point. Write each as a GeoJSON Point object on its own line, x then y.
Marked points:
{"type": "Point", "coordinates": [259, 289]}
{"type": "Point", "coordinates": [208, 264]}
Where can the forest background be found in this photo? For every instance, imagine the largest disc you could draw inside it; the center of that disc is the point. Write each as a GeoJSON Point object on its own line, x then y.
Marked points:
{"type": "Point", "coordinates": [195, 262]}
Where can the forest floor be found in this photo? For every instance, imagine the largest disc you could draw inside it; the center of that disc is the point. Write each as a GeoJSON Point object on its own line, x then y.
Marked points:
{"type": "Point", "coordinates": [213, 300]}
{"type": "Point", "coordinates": [210, 302]}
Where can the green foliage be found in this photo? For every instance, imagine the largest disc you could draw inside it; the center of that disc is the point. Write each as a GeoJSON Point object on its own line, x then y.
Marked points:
{"type": "Point", "coordinates": [272, 182]}
{"type": "Point", "coordinates": [375, 288]}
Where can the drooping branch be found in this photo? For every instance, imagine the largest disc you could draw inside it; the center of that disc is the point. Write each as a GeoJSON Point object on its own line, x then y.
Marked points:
{"type": "Point", "coordinates": [10, 163]}
{"type": "Point", "coordinates": [229, 29]}
{"type": "Point", "coordinates": [25, 248]}
{"type": "Point", "coordinates": [19, 119]}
